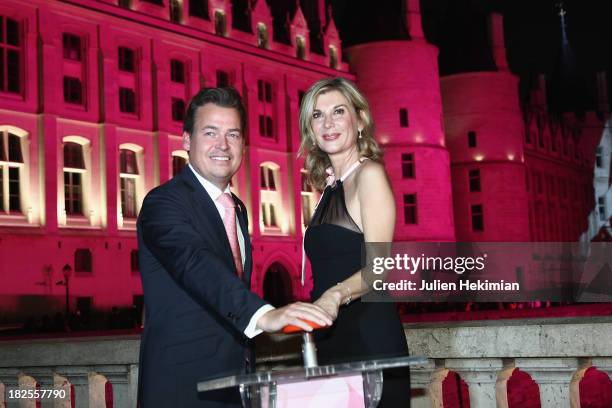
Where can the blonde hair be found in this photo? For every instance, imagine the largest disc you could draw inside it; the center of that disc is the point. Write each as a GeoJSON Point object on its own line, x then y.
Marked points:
{"type": "Point", "coordinates": [316, 159]}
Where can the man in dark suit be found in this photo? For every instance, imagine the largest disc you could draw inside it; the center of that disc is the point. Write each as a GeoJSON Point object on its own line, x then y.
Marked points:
{"type": "Point", "coordinates": [195, 262]}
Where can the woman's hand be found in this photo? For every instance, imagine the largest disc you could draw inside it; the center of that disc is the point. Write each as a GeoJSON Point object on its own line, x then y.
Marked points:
{"type": "Point", "coordinates": [330, 301]}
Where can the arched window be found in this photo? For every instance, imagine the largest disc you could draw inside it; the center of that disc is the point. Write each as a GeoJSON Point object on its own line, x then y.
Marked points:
{"type": "Point", "coordinates": [220, 23]}
{"type": "Point", "coordinates": [12, 164]}
{"type": "Point", "coordinates": [308, 198]}
{"type": "Point", "coordinates": [262, 35]}
{"type": "Point", "coordinates": [271, 204]}
{"type": "Point", "coordinates": [179, 161]}
{"type": "Point", "coordinates": [74, 167]}
{"type": "Point", "coordinates": [300, 47]}
{"type": "Point", "coordinates": [130, 181]}
{"type": "Point", "coordinates": [333, 57]}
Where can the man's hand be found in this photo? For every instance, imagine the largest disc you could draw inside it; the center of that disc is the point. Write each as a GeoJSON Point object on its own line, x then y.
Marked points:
{"type": "Point", "coordinates": [294, 314]}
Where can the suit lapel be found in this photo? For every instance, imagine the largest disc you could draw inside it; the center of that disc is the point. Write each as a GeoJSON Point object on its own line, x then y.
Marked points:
{"type": "Point", "coordinates": [204, 202]}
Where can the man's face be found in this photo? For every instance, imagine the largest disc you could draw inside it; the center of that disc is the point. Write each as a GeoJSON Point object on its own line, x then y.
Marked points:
{"type": "Point", "coordinates": [216, 145]}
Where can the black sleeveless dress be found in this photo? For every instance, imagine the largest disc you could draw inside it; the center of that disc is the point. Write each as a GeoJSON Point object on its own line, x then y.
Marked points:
{"type": "Point", "coordinates": [362, 331]}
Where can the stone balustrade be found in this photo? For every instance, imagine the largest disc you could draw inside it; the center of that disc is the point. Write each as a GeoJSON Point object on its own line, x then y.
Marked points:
{"type": "Point", "coordinates": [484, 355]}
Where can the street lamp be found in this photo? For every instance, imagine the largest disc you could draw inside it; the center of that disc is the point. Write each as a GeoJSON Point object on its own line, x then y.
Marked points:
{"type": "Point", "coordinates": [66, 271]}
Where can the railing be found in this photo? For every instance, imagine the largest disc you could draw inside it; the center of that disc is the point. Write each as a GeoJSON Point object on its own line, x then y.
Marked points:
{"type": "Point", "coordinates": [476, 358]}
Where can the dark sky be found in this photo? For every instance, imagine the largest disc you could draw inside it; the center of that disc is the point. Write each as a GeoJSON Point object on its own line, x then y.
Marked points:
{"type": "Point", "coordinates": [533, 38]}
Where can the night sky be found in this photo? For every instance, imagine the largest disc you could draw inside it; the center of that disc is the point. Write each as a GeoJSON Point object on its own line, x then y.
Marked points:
{"type": "Point", "coordinates": [532, 31]}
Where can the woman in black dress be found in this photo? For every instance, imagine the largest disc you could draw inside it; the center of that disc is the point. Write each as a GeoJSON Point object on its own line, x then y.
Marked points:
{"type": "Point", "coordinates": [357, 205]}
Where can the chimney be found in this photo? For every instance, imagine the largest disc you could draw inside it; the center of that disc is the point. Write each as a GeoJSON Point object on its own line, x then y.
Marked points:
{"type": "Point", "coordinates": [602, 92]}
{"type": "Point", "coordinates": [496, 40]}
{"type": "Point", "coordinates": [412, 15]}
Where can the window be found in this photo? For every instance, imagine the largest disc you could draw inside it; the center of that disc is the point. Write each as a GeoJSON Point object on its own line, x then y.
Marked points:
{"type": "Point", "coordinates": [403, 117]}
{"type": "Point", "coordinates": [333, 57]}
{"type": "Point", "coordinates": [300, 47]}
{"type": "Point", "coordinates": [126, 59]}
{"type": "Point", "coordinates": [127, 100]}
{"type": "Point", "coordinates": [220, 25]}
{"type": "Point", "coordinates": [599, 157]}
{"type": "Point", "coordinates": [125, 4]}
{"type": "Point", "coordinates": [177, 71]}
{"type": "Point", "coordinates": [178, 164]}
{"type": "Point", "coordinates": [408, 170]}
{"type": "Point", "coordinates": [73, 90]}
{"type": "Point", "coordinates": [267, 181]}
{"type": "Point", "coordinates": [134, 263]}
{"type": "Point", "coordinates": [82, 260]}
{"type": "Point", "coordinates": [262, 35]}
{"type": "Point", "coordinates": [157, 2]}
{"type": "Point", "coordinates": [72, 46]}
{"type": "Point", "coordinates": [74, 166]}
{"type": "Point", "coordinates": [11, 163]}
{"type": "Point", "coordinates": [477, 218]}
{"type": "Point", "coordinates": [307, 193]}
{"type": "Point", "coordinates": [128, 167]}
{"type": "Point", "coordinates": [264, 95]}
{"type": "Point", "coordinates": [471, 138]}
{"type": "Point", "coordinates": [474, 176]}
{"type": "Point", "coordinates": [178, 109]}
{"type": "Point", "coordinates": [410, 209]}
{"type": "Point", "coordinates": [264, 91]}
{"type": "Point", "coordinates": [601, 203]}
{"type": "Point", "coordinates": [176, 11]}
{"type": "Point", "coordinates": [222, 78]}
{"type": "Point", "coordinates": [10, 55]}
{"type": "Point", "coordinates": [269, 215]}
{"type": "Point", "coordinates": [198, 8]}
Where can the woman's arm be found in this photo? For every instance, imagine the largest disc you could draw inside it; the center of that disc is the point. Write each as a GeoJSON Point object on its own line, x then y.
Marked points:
{"type": "Point", "coordinates": [377, 211]}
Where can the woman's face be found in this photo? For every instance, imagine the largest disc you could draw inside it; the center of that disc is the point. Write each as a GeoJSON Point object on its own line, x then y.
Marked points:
{"type": "Point", "coordinates": [335, 123]}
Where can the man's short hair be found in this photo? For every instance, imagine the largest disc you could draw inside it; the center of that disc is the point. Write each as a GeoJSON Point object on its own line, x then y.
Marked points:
{"type": "Point", "coordinates": [225, 97]}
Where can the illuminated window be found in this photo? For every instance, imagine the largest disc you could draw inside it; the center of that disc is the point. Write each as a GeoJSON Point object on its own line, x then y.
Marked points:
{"type": "Point", "coordinates": [10, 55]}
{"type": "Point", "coordinates": [128, 167]}
{"type": "Point", "coordinates": [178, 109]}
{"type": "Point", "coordinates": [176, 11]}
{"type": "Point", "coordinates": [126, 59]}
{"type": "Point", "coordinates": [333, 57]}
{"type": "Point", "coordinates": [74, 167]}
{"type": "Point", "coordinates": [220, 23]}
{"type": "Point", "coordinates": [127, 100]}
{"type": "Point", "coordinates": [308, 198]}
{"type": "Point", "coordinates": [270, 196]}
{"type": "Point", "coordinates": [72, 46]}
{"type": "Point", "coordinates": [477, 218]}
{"type": "Point", "coordinates": [82, 260]}
{"type": "Point", "coordinates": [471, 138]}
{"type": "Point", "coordinates": [262, 35]}
{"type": "Point", "coordinates": [408, 170]}
{"type": "Point", "coordinates": [73, 90]}
{"type": "Point", "coordinates": [410, 209]}
{"type": "Point", "coordinates": [300, 47]}
{"type": "Point", "coordinates": [11, 165]}
{"type": "Point", "coordinates": [403, 117]}
{"type": "Point", "coordinates": [474, 176]}
{"type": "Point", "coordinates": [177, 71]}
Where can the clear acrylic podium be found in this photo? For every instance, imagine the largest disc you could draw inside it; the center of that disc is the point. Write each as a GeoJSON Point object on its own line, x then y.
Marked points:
{"type": "Point", "coordinates": [354, 384]}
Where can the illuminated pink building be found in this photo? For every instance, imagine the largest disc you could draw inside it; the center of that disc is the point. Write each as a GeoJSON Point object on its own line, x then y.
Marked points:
{"type": "Point", "coordinates": [92, 97]}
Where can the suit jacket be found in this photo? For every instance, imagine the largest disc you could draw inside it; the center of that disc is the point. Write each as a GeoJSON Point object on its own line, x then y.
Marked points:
{"type": "Point", "coordinates": [196, 306]}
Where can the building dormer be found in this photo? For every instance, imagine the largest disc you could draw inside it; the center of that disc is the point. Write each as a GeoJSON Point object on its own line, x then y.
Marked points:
{"type": "Point", "coordinates": [220, 13]}
{"type": "Point", "coordinates": [299, 35]}
{"type": "Point", "coordinates": [261, 21]}
{"type": "Point", "coordinates": [331, 43]}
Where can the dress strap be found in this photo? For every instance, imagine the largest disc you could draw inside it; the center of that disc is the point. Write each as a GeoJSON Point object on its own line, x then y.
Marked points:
{"type": "Point", "coordinates": [352, 168]}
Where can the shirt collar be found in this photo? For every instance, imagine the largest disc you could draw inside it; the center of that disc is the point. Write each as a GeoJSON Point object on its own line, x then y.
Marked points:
{"type": "Point", "coordinates": [213, 191]}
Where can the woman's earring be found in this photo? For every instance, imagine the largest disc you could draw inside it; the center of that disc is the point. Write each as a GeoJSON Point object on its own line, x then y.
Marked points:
{"type": "Point", "coordinates": [359, 134]}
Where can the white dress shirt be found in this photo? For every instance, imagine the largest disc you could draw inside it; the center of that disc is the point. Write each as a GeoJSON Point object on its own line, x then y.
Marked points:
{"type": "Point", "coordinates": [214, 192]}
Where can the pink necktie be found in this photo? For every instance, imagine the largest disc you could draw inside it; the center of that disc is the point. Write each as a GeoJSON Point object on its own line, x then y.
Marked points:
{"type": "Point", "coordinates": [229, 222]}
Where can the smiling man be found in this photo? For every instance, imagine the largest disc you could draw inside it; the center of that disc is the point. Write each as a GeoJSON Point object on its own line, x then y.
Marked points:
{"type": "Point", "coordinates": [195, 263]}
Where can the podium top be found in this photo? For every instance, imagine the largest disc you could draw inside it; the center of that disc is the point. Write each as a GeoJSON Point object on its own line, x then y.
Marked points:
{"type": "Point", "coordinates": [306, 373]}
